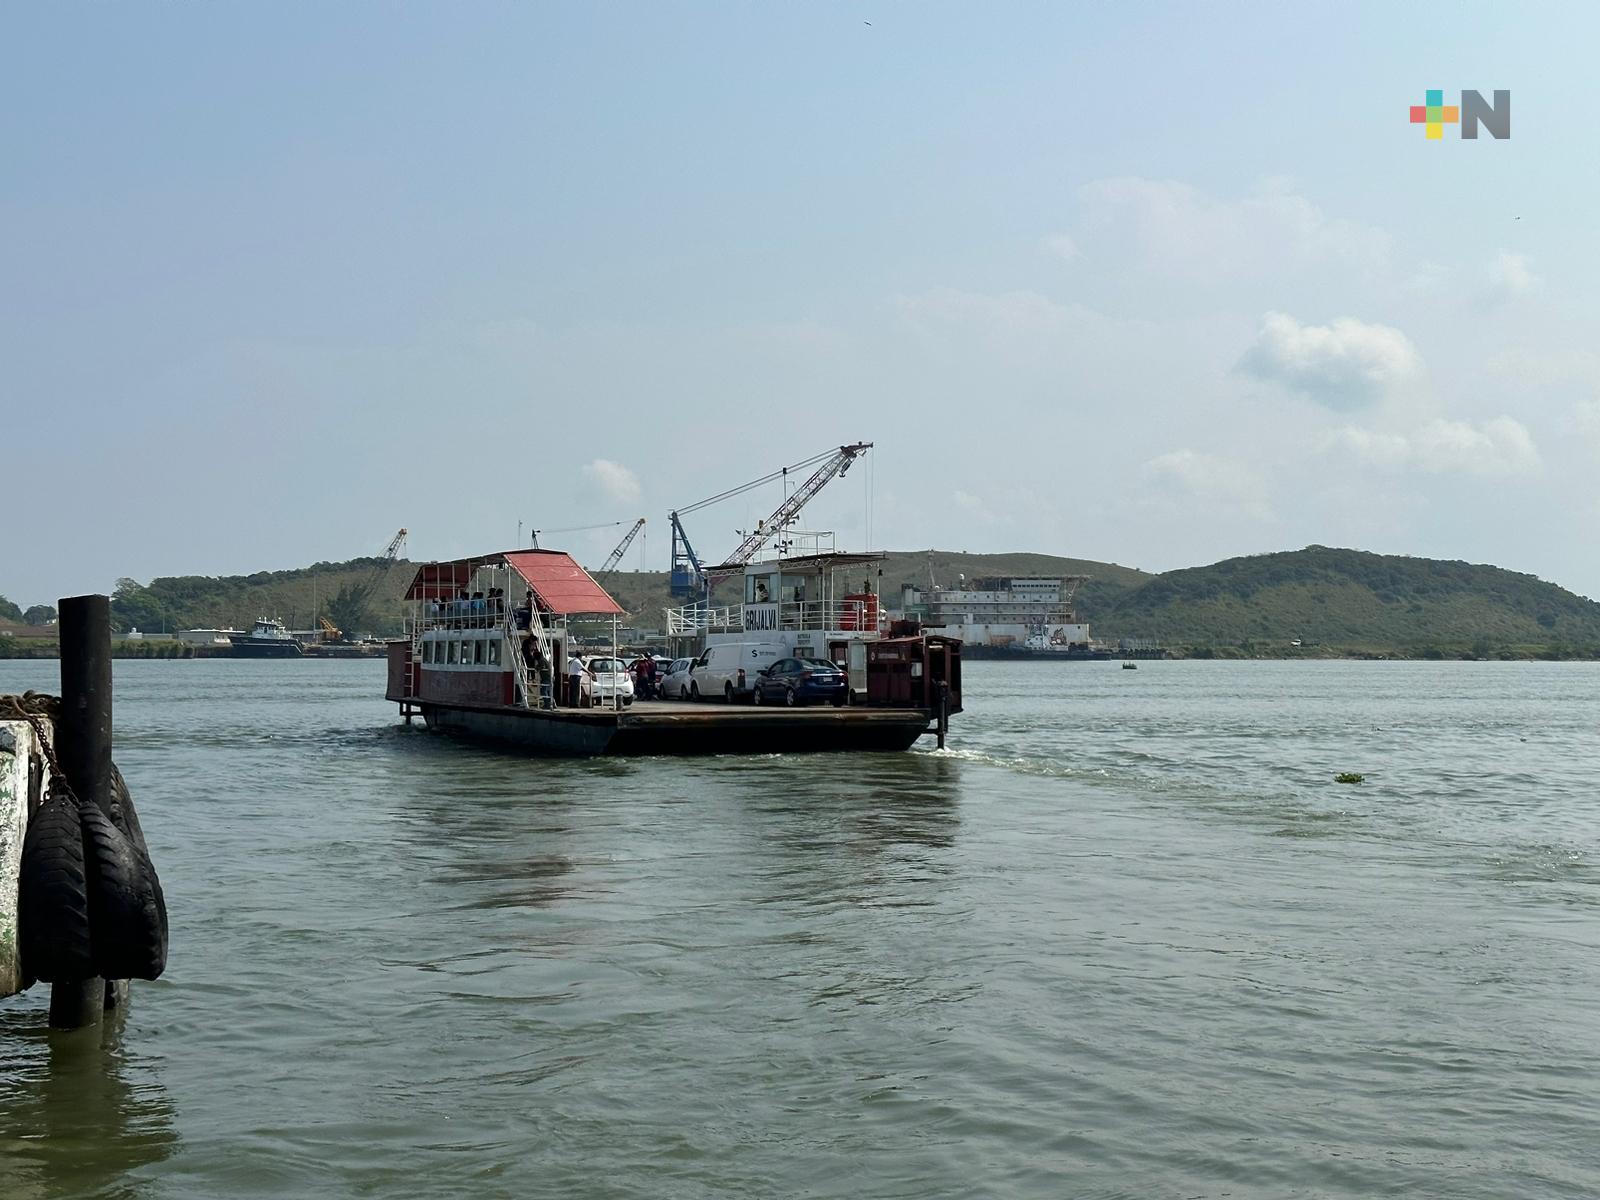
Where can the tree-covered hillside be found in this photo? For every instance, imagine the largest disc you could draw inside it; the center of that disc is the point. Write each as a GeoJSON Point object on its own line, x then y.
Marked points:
{"type": "Point", "coordinates": [1329, 600]}
{"type": "Point", "coordinates": [1352, 599]}
{"type": "Point", "coordinates": [297, 596]}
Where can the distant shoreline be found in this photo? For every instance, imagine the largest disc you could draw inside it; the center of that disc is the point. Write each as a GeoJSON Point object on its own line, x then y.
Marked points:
{"type": "Point", "coordinates": [18, 648]}
{"type": "Point", "coordinates": [177, 651]}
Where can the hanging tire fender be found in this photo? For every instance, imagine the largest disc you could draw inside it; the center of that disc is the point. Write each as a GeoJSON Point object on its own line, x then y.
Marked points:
{"type": "Point", "coordinates": [127, 911]}
{"type": "Point", "coordinates": [53, 923]}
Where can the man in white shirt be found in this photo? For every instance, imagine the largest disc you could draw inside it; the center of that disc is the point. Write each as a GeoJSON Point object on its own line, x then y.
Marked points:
{"type": "Point", "coordinates": [575, 673]}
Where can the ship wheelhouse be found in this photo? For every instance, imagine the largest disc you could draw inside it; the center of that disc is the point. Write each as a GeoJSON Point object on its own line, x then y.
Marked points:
{"type": "Point", "coordinates": [806, 603]}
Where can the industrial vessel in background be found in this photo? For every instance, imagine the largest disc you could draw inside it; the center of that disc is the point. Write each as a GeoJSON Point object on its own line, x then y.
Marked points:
{"type": "Point", "coordinates": [270, 638]}
{"type": "Point", "coordinates": [1016, 616]}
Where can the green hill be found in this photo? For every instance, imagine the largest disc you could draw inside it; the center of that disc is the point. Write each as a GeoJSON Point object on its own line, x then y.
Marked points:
{"type": "Point", "coordinates": [299, 596]}
{"type": "Point", "coordinates": [296, 596]}
{"type": "Point", "coordinates": [1353, 601]}
{"type": "Point", "coordinates": [1331, 601]}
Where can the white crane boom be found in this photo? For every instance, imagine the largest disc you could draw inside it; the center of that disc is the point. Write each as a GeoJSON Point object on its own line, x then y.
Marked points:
{"type": "Point", "coordinates": [616, 555]}
{"type": "Point", "coordinates": [838, 463]}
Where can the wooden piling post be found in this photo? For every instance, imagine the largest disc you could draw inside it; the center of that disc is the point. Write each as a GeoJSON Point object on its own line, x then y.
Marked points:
{"type": "Point", "coordinates": [83, 744]}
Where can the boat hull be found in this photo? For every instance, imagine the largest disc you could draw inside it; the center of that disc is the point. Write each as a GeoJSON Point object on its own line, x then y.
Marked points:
{"type": "Point", "coordinates": [666, 729]}
{"type": "Point", "coordinates": [250, 648]}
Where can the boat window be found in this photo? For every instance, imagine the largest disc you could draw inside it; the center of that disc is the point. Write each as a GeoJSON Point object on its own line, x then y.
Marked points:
{"type": "Point", "coordinates": [494, 653]}
{"type": "Point", "coordinates": [427, 651]}
{"type": "Point", "coordinates": [477, 650]}
{"type": "Point", "coordinates": [455, 651]}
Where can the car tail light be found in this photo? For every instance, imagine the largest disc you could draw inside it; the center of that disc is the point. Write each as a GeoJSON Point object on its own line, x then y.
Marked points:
{"type": "Point", "coordinates": [804, 675]}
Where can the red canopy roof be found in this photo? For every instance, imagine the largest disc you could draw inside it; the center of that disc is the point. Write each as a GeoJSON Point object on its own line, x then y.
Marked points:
{"type": "Point", "coordinates": [561, 585]}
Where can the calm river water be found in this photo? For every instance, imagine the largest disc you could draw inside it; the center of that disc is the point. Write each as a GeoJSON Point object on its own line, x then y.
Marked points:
{"type": "Point", "coordinates": [1126, 938]}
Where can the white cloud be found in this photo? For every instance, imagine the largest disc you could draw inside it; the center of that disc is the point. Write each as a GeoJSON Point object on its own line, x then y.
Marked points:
{"type": "Point", "coordinates": [1498, 447]}
{"type": "Point", "coordinates": [1345, 364]}
{"type": "Point", "coordinates": [1587, 415]}
{"type": "Point", "coordinates": [1176, 228]}
{"type": "Point", "coordinates": [1427, 277]}
{"type": "Point", "coordinates": [972, 505]}
{"type": "Point", "coordinates": [1501, 446]}
{"type": "Point", "coordinates": [1020, 329]}
{"type": "Point", "coordinates": [1371, 446]}
{"type": "Point", "coordinates": [1548, 368]}
{"type": "Point", "coordinates": [1008, 313]}
{"type": "Point", "coordinates": [1062, 246]}
{"type": "Point", "coordinates": [613, 480]}
{"type": "Point", "coordinates": [1219, 483]}
{"type": "Point", "coordinates": [1510, 276]}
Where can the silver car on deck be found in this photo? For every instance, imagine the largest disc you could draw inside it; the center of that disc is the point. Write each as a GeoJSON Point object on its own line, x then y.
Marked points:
{"type": "Point", "coordinates": [675, 682]}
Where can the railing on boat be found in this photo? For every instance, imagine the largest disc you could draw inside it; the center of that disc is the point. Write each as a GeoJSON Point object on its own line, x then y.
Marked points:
{"type": "Point", "coordinates": [704, 618]}
{"type": "Point", "coordinates": [693, 619]}
{"type": "Point", "coordinates": [533, 690]}
{"type": "Point", "coordinates": [823, 614]}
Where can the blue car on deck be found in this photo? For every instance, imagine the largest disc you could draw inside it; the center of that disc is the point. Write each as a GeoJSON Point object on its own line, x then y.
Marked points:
{"type": "Point", "coordinates": [795, 681]}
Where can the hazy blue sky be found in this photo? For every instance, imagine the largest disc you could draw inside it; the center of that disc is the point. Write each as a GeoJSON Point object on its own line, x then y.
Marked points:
{"type": "Point", "coordinates": [1146, 283]}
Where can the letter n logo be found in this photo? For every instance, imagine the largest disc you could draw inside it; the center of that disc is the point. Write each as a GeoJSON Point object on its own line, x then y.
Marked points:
{"type": "Point", "coordinates": [1497, 120]}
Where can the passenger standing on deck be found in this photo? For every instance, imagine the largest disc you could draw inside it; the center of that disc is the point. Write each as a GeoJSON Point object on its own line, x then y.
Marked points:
{"type": "Point", "coordinates": [575, 672]}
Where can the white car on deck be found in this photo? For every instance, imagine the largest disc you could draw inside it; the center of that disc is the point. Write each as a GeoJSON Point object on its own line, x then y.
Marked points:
{"type": "Point", "coordinates": [609, 678]}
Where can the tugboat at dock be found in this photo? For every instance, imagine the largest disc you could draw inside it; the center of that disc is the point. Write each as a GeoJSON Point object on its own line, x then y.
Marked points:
{"type": "Point", "coordinates": [269, 639]}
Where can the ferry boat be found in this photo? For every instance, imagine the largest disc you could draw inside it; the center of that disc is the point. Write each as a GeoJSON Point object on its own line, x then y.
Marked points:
{"type": "Point", "coordinates": [269, 639]}
{"type": "Point", "coordinates": [488, 639]}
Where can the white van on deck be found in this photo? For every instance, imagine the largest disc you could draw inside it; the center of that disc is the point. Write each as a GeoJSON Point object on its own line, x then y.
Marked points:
{"type": "Point", "coordinates": [729, 669]}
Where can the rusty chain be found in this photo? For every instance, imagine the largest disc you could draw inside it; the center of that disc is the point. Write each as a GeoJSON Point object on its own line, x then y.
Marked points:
{"type": "Point", "coordinates": [31, 707]}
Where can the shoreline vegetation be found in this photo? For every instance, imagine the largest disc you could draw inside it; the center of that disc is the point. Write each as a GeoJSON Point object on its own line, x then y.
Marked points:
{"type": "Point", "coordinates": [1318, 602]}
{"type": "Point", "coordinates": [157, 648]}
